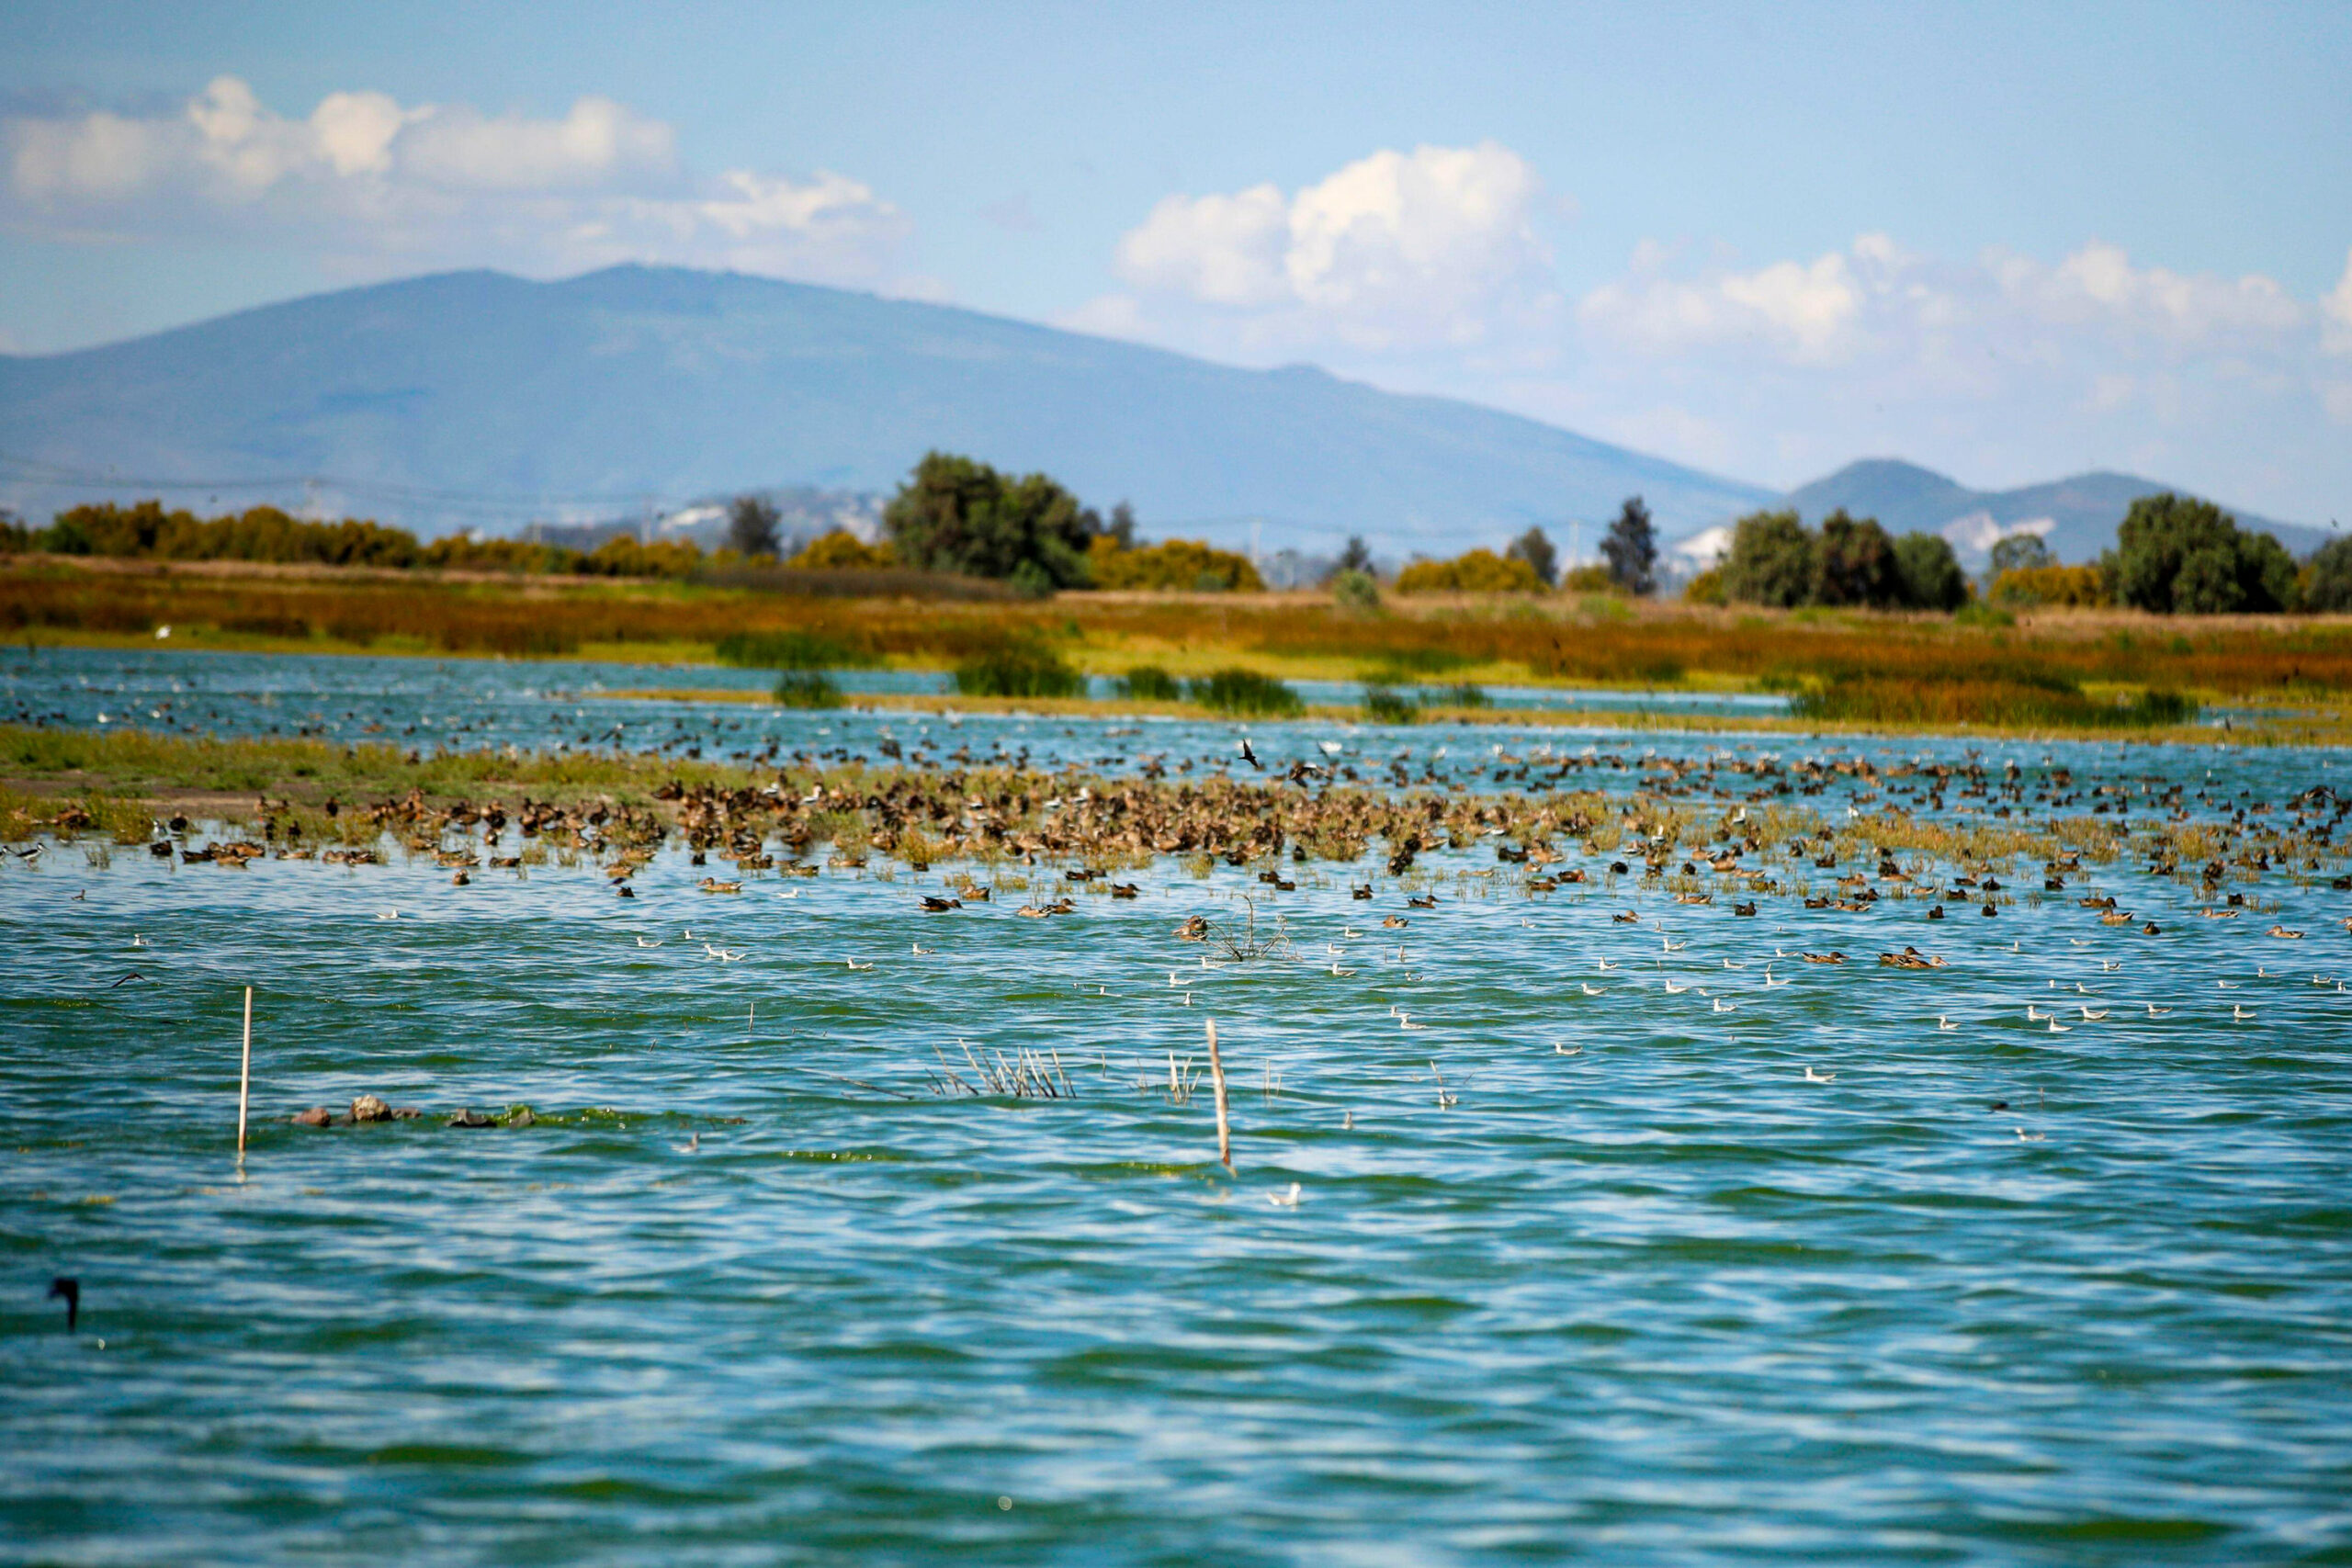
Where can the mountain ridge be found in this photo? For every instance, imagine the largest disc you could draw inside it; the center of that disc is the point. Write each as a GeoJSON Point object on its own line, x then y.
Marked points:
{"type": "Point", "coordinates": [443, 399]}
{"type": "Point", "coordinates": [2076, 516]}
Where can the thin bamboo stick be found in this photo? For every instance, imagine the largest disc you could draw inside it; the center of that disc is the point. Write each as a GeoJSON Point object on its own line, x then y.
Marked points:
{"type": "Point", "coordinates": [1224, 1128]}
{"type": "Point", "coordinates": [246, 1076]}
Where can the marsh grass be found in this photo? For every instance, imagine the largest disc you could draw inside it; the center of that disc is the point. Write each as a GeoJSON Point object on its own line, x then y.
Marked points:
{"type": "Point", "coordinates": [1018, 668]}
{"type": "Point", "coordinates": [797, 649]}
{"type": "Point", "coordinates": [1151, 684]}
{"type": "Point", "coordinates": [1902, 660]}
{"type": "Point", "coordinates": [1238, 691]}
{"type": "Point", "coordinates": [807, 689]}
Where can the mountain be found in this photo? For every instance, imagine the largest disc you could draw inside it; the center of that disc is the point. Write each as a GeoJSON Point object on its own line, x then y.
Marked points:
{"type": "Point", "coordinates": [2077, 517]}
{"type": "Point", "coordinates": [480, 399]}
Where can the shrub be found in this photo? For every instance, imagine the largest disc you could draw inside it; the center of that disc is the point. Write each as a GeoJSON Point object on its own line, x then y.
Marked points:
{"type": "Point", "coordinates": [1707, 588]}
{"type": "Point", "coordinates": [807, 689]}
{"type": "Point", "coordinates": [1018, 670]}
{"type": "Point", "coordinates": [1473, 571]}
{"type": "Point", "coordinates": [1173, 565]}
{"type": "Point", "coordinates": [1461, 694]}
{"type": "Point", "coordinates": [794, 649]}
{"type": "Point", "coordinates": [1244, 692]}
{"type": "Point", "coordinates": [1357, 591]}
{"type": "Point", "coordinates": [841, 550]}
{"type": "Point", "coordinates": [1590, 580]}
{"type": "Point", "coordinates": [2083, 585]}
{"type": "Point", "coordinates": [1151, 684]}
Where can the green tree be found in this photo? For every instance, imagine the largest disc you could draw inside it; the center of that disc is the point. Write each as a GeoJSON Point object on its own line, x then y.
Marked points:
{"type": "Point", "coordinates": [1856, 563]}
{"type": "Point", "coordinates": [1357, 556]}
{"type": "Point", "coordinates": [1773, 559]}
{"type": "Point", "coordinates": [2176, 555]}
{"type": "Point", "coordinates": [2021, 552]}
{"type": "Point", "coordinates": [959, 515]}
{"type": "Point", "coordinates": [1534, 548]}
{"type": "Point", "coordinates": [1630, 548]}
{"type": "Point", "coordinates": [2329, 586]}
{"type": "Point", "coordinates": [751, 527]}
{"type": "Point", "coordinates": [1929, 573]}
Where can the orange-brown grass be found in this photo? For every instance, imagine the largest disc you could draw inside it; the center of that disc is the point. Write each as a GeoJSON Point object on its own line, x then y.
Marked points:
{"type": "Point", "coordinates": [1906, 659]}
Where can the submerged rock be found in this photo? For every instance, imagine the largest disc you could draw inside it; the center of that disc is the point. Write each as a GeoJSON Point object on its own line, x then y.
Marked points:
{"type": "Point", "coordinates": [317, 1116]}
{"type": "Point", "coordinates": [370, 1108]}
{"type": "Point", "coordinates": [469, 1117]}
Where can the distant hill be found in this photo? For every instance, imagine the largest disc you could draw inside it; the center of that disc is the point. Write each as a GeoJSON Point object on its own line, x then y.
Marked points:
{"type": "Point", "coordinates": [2077, 516]}
{"type": "Point", "coordinates": [477, 399]}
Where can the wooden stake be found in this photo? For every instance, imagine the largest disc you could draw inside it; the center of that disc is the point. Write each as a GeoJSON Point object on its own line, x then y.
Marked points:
{"type": "Point", "coordinates": [246, 1076]}
{"type": "Point", "coordinates": [1224, 1130]}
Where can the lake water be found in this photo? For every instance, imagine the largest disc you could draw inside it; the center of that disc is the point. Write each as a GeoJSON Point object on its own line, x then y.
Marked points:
{"type": "Point", "coordinates": [1601, 1277]}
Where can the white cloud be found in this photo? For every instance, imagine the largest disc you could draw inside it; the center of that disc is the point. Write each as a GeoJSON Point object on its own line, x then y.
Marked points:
{"type": "Point", "coordinates": [1805, 311]}
{"type": "Point", "coordinates": [2004, 369]}
{"type": "Point", "coordinates": [1396, 250]}
{"type": "Point", "coordinates": [2336, 312]}
{"type": "Point", "coordinates": [2097, 285]}
{"type": "Point", "coordinates": [365, 176]}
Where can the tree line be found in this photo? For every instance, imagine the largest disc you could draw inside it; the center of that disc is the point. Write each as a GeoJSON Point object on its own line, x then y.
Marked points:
{"type": "Point", "coordinates": [2173, 555]}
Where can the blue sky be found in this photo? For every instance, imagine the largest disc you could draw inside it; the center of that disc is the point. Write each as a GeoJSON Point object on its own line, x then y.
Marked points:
{"type": "Point", "coordinates": [2007, 242]}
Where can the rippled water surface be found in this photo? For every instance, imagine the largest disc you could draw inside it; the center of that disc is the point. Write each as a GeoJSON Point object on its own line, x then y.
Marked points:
{"type": "Point", "coordinates": [1582, 1264]}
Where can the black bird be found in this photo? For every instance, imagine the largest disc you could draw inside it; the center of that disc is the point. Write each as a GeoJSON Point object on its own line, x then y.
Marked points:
{"type": "Point", "coordinates": [133, 974]}
{"type": "Point", "coordinates": [70, 1290]}
{"type": "Point", "coordinates": [1250, 756]}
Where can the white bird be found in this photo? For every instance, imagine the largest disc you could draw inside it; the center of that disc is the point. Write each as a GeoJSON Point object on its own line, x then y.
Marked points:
{"type": "Point", "coordinates": [1944, 1023]}
{"type": "Point", "coordinates": [922, 952]}
{"type": "Point", "coordinates": [794, 893]}
{"type": "Point", "coordinates": [1812, 1076]}
{"type": "Point", "coordinates": [2033, 1015]}
{"type": "Point", "coordinates": [693, 1145]}
{"type": "Point", "coordinates": [2108, 967]}
{"type": "Point", "coordinates": [1405, 1022]}
{"type": "Point", "coordinates": [1173, 979]}
{"type": "Point", "coordinates": [138, 941]}
{"type": "Point", "coordinates": [2058, 1028]}
{"type": "Point", "coordinates": [1559, 1049]}
{"type": "Point", "coordinates": [390, 915]}
{"type": "Point", "coordinates": [2226, 985]}
{"type": "Point", "coordinates": [1672, 945]}
{"type": "Point", "coordinates": [2240, 1013]}
{"type": "Point", "coordinates": [2090, 1017]}
{"type": "Point", "coordinates": [2156, 1011]}
{"type": "Point", "coordinates": [1608, 968]}
{"type": "Point", "coordinates": [2026, 1137]}
{"type": "Point", "coordinates": [1770, 982]}
{"type": "Point", "coordinates": [1674, 990]}
{"type": "Point", "coordinates": [1285, 1200]}
{"type": "Point", "coordinates": [855, 965]}
{"type": "Point", "coordinates": [1735, 963]}
{"type": "Point", "coordinates": [1592, 990]}
{"type": "Point", "coordinates": [1343, 974]}
{"type": "Point", "coordinates": [1722, 1006]}
{"type": "Point", "coordinates": [643, 942]}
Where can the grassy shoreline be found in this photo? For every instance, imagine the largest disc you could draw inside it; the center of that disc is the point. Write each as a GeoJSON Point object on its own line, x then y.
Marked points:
{"type": "Point", "coordinates": [1916, 674]}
